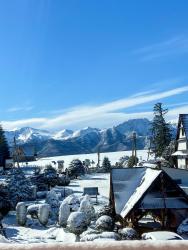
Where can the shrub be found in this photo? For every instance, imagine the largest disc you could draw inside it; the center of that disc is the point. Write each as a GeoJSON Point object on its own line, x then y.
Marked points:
{"type": "Point", "coordinates": [76, 168]}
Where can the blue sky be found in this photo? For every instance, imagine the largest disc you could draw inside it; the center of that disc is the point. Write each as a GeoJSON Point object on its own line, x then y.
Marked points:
{"type": "Point", "coordinates": [77, 63]}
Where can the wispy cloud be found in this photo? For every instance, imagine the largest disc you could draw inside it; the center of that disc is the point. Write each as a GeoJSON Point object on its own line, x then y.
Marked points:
{"type": "Point", "coordinates": [103, 115]}
{"type": "Point", "coordinates": [19, 109]}
{"type": "Point", "coordinates": [173, 46]}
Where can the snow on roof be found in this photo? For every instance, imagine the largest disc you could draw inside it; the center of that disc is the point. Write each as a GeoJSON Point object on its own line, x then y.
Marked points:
{"type": "Point", "coordinates": [184, 119]}
{"type": "Point", "coordinates": [129, 185]}
{"type": "Point", "coordinates": [180, 153]}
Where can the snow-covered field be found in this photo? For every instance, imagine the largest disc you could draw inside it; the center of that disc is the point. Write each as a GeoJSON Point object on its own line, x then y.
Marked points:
{"type": "Point", "coordinates": [113, 157]}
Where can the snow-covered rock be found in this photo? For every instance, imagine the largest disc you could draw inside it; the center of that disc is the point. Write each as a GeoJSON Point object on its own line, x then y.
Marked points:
{"type": "Point", "coordinates": [87, 208]}
{"type": "Point", "coordinates": [105, 223]}
{"type": "Point", "coordinates": [77, 223]}
{"type": "Point", "coordinates": [183, 227]}
{"type": "Point", "coordinates": [21, 213]}
{"type": "Point", "coordinates": [64, 212]}
{"type": "Point", "coordinates": [64, 236]}
{"type": "Point", "coordinates": [33, 210]}
{"type": "Point", "coordinates": [43, 213]}
{"type": "Point", "coordinates": [128, 234]}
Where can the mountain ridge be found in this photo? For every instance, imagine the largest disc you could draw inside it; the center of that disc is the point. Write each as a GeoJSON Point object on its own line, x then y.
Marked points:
{"type": "Point", "coordinates": [86, 140]}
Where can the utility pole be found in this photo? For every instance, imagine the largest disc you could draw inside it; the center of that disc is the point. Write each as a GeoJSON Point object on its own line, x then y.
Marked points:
{"type": "Point", "coordinates": [16, 153]}
{"type": "Point", "coordinates": [149, 149]}
{"type": "Point", "coordinates": [98, 157]}
{"type": "Point", "coordinates": [134, 152]}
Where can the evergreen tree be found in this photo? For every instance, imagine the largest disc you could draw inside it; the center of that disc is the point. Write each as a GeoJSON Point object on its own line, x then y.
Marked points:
{"type": "Point", "coordinates": [161, 134]}
{"type": "Point", "coordinates": [106, 165]}
{"type": "Point", "coordinates": [76, 168]}
{"type": "Point", "coordinates": [133, 160]}
{"type": "Point", "coordinates": [4, 149]}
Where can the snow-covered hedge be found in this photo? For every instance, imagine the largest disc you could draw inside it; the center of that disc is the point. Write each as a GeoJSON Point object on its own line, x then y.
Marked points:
{"type": "Point", "coordinates": [77, 223]}
{"type": "Point", "coordinates": [43, 214]}
{"type": "Point", "coordinates": [33, 210]}
{"type": "Point", "coordinates": [87, 208]}
{"type": "Point", "coordinates": [128, 234]}
{"type": "Point", "coordinates": [21, 213]}
{"type": "Point", "coordinates": [53, 200]}
{"type": "Point", "coordinates": [105, 223]}
{"type": "Point", "coordinates": [20, 188]}
{"type": "Point", "coordinates": [64, 212]}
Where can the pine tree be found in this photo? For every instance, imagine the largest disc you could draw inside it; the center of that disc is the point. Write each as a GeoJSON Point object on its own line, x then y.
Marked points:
{"type": "Point", "coordinates": [76, 168]}
{"type": "Point", "coordinates": [4, 149]}
{"type": "Point", "coordinates": [161, 134]}
{"type": "Point", "coordinates": [106, 165]}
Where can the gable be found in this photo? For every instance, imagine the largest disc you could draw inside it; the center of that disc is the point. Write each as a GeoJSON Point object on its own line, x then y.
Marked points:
{"type": "Point", "coordinates": [129, 184]}
{"type": "Point", "coordinates": [141, 188]}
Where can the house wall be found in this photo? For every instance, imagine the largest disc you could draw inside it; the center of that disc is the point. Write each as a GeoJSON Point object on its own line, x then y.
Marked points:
{"type": "Point", "coordinates": [182, 163]}
{"type": "Point", "coordinates": [182, 145]}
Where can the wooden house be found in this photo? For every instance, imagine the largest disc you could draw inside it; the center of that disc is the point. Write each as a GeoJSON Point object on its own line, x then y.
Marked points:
{"type": "Point", "coordinates": [181, 154]}
{"type": "Point", "coordinates": [136, 192]}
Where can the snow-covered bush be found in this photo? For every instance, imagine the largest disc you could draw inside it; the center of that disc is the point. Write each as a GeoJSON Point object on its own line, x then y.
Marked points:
{"type": "Point", "coordinates": [73, 201]}
{"type": "Point", "coordinates": [183, 227]}
{"type": "Point", "coordinates": [87, 208]}
{"type": "Point", "coordinates": [20, 188]}
{"type": "Point", "coordinates": [53, 200]}
{"type": "Point", "coordinates": [64, 191]}
{"type": "Point", "coordinates": [77, 223]}
{"type": "Point", "coordinates": [105, 223]}
{"type": "Point", "coordinates": [21, 213]}
{"type": "Point", "coordinates": [128, 234]}
{"type": "Point", "coordinates": [76, 168]}
{"type": "Point", "coordinates": [33, 210]}
{"type": "Point", "coordinates": [64, 212]}
{"type": "Point", "coordinates": [43, 213]}
{"type": "Point", "coordinates": [63, 180]}
{"type": "Point", "coordinates": [105, 210]}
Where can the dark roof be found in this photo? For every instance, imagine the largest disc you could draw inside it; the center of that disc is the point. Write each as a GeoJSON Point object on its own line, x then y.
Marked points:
{"type": "Point", "coordinates": [140, 188]}
{"type": "Point", "coordinates": [184, 120]}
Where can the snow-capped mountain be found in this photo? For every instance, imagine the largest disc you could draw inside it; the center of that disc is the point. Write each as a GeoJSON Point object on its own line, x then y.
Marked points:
{"type": "Point", "coordinates": [27, 134]}
{"type": "Point", "coordinates": [63, 134]}
{"type": "Point", "coordinates": [87, 140]}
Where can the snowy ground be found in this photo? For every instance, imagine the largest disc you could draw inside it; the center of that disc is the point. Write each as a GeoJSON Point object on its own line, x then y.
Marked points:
{"type": "Point", "coordinates": [35, 233]}
{"type": "Point", "coordinates": [113, 157]}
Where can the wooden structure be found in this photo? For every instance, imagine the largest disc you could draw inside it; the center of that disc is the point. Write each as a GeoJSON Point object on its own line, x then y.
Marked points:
{"type": "Point", "coordinates": [91, 191]}
{"type": "Point", "coordinates": [136, 192]}
{"type": "Point", "coordinates": [181, 154]}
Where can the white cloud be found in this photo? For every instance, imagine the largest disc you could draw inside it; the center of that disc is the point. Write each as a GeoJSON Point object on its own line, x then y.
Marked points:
{"type": "Point", "coordinates": [19, 109]}
{"type": "Point", "coordinates": [107, 114]}
{"type": "Point", "coordinates": [176, 45]}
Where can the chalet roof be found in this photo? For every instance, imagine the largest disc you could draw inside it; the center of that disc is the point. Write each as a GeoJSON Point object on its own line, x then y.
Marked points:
{"type": "Point", "coordinates": [130, 187]}
{"type": "Point", "coordinates": [184, 120]}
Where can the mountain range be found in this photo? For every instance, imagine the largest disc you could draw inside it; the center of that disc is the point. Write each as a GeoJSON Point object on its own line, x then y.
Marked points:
{"type": "Point", "coordinates": [87, 140]}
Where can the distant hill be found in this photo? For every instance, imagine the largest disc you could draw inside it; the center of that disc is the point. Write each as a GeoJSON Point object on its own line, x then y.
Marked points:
{"type": "Point", "coordinates": [87, 140]}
